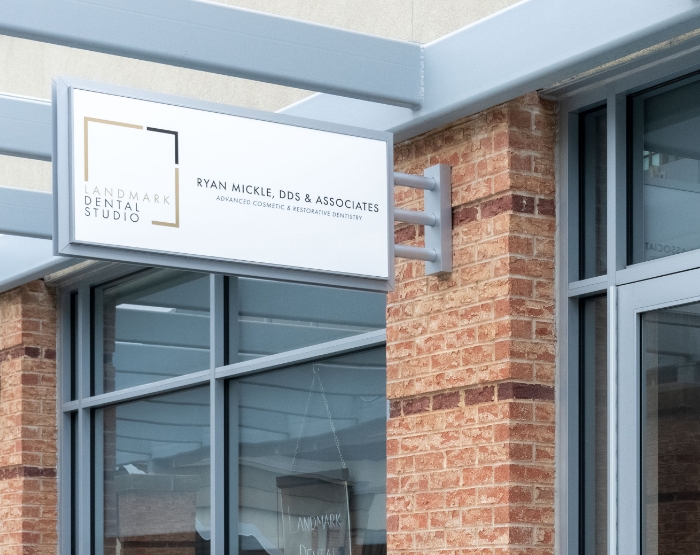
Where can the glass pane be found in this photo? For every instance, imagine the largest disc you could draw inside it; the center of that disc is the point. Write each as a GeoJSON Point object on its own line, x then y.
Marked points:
{"type": "Point", "coordinates": [155, 470]}
{"type": "Point", "coordinates": [310, 442]}
{"type": "Point", "coordinates": [666, 171]}
{"type": "Point", "coordinates": [274, 316]}
{"type": "Point", "coordinates": [593, 193]}
{"type": "Point", "coordinates": [594, 426]}
{"type": "Point", "coordinates": [155, 325]}
{"type": "Point", "coordinates": [671, 430]}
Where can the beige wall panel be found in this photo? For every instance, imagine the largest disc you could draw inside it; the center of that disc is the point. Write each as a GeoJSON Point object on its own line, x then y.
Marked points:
{"type": "Point", "coordinates": [21, 67]}
{"type": "Point", "coordinates": [386, 18]}
{"type": "Point", "coordinates": [433, 19]}
{"type": "Point", "coordinates": [24, 173]}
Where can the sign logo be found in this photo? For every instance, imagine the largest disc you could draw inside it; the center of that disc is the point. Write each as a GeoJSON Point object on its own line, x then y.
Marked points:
{"type": "Point", "coordinates": [109, 192]}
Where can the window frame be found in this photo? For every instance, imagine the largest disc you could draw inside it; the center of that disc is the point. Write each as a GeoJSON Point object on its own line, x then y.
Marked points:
{"type": "Point", "coordinates": [76, 336]}
{"type": "Point", "coordinates": [611, 87]}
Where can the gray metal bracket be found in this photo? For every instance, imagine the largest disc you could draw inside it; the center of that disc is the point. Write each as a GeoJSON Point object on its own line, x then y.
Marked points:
{"type": "Point", "coordinates": [437, 218]}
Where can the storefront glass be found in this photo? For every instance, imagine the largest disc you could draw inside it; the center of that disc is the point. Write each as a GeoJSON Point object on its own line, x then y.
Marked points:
{"type": "Point", "coordinates": [181, 415]}
{"type": "Point", "coordinates": [665, 171]}
{"type": "Point", "coordinates": [593, 192]}
{"type": "Point", "coordinates": [268, 317]}
{"type": "Point", "coordinates": [151, 326]}
{"type": "Point", "coordinates": [671, 430]}
{"type": "Point", "coordinates": [594, 426]}
{"type": "Point", "coordinates": [629, 333]}
{"type": "Point", "coordinates": [311, 458]}
{"type": "Point", "coordinates": [155, 471]}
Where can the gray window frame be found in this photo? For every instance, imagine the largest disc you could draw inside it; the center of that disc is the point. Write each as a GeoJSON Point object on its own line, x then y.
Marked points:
{"type": "Point", "coordinates": [634, 300]}
{"type": "Point", "coordinates": [84, 404]}
{"type": "Point", "coordinates": [611, 88]}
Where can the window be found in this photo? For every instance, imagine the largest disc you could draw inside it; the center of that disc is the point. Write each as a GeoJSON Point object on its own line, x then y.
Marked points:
{"type": "Point", "coordinates": [311, 437]}
{"type": "Point", "coordinates": [175, 449]}
{"type": "Point", "coordinates": [630, 292]}
{"type": "Point", "coordinates": [150, 327]}
{"type": "Point", "coordinates": [665, 173]}
{"type": "Point", "coordinates": [593, 190]}
{"type": "Point", "coordinates": [670, 422]}
{"type": "Point", "coordinates": [594, 426]}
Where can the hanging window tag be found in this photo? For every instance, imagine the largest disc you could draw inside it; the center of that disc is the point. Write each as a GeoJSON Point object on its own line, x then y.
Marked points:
{"type": "Point", "coordinates": [314, 515]}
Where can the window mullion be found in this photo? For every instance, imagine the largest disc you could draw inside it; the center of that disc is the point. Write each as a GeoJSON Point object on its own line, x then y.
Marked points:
{"type": "Point", "coordinates": [84, 352]}
{"type": "Point", "coordinates": [617, 260]}
{"type": "Point", "coordinates": [306, 354]}
{"type": "Point", "coordinates": [612, 420]}
{"type": "Point", "coordinates": [216, 407]}
{"type": "Point", "coordinates": [617, 184]}
{"type": "Point", "coordinates": [571, 203]}
{"type": "Point", "coordinates": [84, 477]}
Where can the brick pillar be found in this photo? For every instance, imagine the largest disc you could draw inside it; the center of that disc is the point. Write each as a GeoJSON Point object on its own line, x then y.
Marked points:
{"type": "Point", "coordinates": [28, 502]}
{"type": "Point", "coordinates": [470, 357]}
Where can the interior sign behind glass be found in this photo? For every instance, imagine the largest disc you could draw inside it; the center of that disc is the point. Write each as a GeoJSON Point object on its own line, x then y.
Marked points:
{"type": "Point", "coordinates": [145, 178]}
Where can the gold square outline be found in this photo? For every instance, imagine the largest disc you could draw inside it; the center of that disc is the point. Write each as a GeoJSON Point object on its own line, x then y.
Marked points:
{"type": "Point", "coordinates": [87, 120]}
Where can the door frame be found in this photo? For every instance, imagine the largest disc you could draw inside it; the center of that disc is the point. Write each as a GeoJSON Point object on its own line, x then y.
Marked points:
{"type": "Point", "coordinates": [633, 300]}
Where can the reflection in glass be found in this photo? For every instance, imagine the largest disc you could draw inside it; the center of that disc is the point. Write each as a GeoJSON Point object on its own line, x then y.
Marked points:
{"type": "Point", "coordinates": [593, 193]}
{"type": "Point", "coordinates": [155, 470]}
{"type": "Point", "coordinates": [666, 171]}
{"type": "Point", "coordinates": [671, 430]}
{"type": "Point", "coordinates": [269, 317]}
{"type": "Point", "coordinates": [594, 426]}
{"type": "Point", "coordinates": [154, 325]}
{"type": "Point", "coordinates": [310, 444]}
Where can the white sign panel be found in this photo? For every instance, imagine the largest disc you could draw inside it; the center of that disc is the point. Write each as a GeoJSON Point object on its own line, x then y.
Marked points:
{"type": "Point", "coordinates": [259, 191]}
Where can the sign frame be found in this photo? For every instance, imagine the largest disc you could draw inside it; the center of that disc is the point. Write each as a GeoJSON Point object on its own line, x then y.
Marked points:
{"type": "Point", "coordinates": [64, 243]}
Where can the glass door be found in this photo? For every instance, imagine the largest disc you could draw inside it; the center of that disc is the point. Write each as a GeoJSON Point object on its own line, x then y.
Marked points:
{"type": "Point", "coordinates": [659, 415]}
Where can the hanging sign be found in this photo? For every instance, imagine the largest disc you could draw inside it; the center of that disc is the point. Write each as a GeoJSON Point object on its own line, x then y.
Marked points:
{"type": "Point", "coordinates": [146, 178]}
{"type": "Point", "coordinates": [314, 515]}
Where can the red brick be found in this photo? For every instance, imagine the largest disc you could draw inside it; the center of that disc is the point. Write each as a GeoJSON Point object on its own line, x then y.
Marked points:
{"type": "Point", "coordinates": [465, 214]}
{"type": "Point", "coordinates": [446, 400]}
{"type": "Point", "coordinates": [512, 390]}
{"type": "Point", "coordinates": [417, 405]}
{"type": "Point", "coordinates": [545, 206]}
{"type": "Point", "coordinates": [478, 395]}
{"type": "Point", "coordinates": [28, 418]}
{"type": "Point", "coordinates": [479, 342]}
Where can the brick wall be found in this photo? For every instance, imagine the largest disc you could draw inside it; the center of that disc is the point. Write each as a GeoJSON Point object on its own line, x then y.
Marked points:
{"type": "Point", "coordinates": [28, 502]}
{"type": "Point", "coordinates": [470, 357]}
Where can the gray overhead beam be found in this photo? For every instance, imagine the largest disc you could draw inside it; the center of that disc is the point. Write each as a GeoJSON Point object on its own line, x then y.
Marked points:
{"type": "Point", "coordinates": [532, 45]}
{"type": "Point", "coordinates": [24, 259]}
{"type": "Point", "coordinates": [26, 213]}
{"type": "Point", "coordinates": [25, 127]}
{"type": "Point", "coordinates": [227, 40]}
{"type": "Point", "coordinates": [466, 71]}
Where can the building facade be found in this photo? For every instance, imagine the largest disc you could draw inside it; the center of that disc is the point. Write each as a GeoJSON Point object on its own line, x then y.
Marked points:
{"type": "Point", "coordinates": [541, 398]}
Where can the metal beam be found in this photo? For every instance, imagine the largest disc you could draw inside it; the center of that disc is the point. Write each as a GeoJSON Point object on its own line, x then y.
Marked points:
{"type": "Point", "coordinates": [26, 213]}
{"type": "Point", "coordinates": [466, 71]}
{"type": "Point", "coordinates": [530, 46]}
{"type": "Point", "coordinates": [24, 259]}
{"type": "Point", "coordinates": [25, 127]}
{"type": "Point", "coordinates": [227, 40]}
